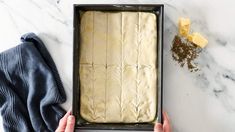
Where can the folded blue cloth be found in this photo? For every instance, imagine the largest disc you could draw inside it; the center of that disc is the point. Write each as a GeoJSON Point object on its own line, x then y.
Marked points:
{"type": "Point", "coordinates": [30, 88]}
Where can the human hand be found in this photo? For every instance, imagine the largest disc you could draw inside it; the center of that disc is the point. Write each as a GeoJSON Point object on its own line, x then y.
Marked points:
{"type": "Point", "coordinates": [166, 124]}
{"type": "Point", "coordinates": [66, 123]}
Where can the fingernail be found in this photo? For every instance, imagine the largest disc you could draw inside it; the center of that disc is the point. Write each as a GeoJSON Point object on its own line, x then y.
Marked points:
{"type": "Point", "coordinates": [68, 113]}
{"type": "Point", "coordinates": [166, 115]}
{"type": "Point", "coordinates": [71, 118]}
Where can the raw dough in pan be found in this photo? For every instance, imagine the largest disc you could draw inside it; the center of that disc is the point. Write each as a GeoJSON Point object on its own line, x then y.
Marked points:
{"type": "Point", "coordinates": [118, 81]}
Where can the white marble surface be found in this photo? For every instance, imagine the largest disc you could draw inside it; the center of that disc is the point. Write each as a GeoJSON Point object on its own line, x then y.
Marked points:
{"type": "Point", "coordinates": [196, 102]}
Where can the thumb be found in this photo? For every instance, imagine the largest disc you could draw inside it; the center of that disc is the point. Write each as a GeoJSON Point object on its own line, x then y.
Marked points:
{"type": "Point", "coordinates": [70, 124]}
{"type": "Point", "coordinates": [158, 127]}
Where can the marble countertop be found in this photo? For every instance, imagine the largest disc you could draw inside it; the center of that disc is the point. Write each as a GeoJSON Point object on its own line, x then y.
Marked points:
{"type": "Point", "coordinates": [196, 102]}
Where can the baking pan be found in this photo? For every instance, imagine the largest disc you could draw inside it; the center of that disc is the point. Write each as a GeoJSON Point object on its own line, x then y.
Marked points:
{"type": "Point", "coordinates": [158, 10]}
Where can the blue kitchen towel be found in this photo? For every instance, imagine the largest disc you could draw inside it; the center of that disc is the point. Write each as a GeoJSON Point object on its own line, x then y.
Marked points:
{"type": "Point", "coordinates": [30, 88]}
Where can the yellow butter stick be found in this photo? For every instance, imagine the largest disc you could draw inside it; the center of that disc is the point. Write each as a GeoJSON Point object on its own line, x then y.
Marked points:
{"type": "Point", "coordinates": [184, 26]}
{"type": "Point", "coordinates": [198, 39]}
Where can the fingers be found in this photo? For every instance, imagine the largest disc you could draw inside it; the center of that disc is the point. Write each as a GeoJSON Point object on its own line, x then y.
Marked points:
{"type": "Point", "coordinates": [158, 127]}
{"type": "Point", "coordinates": [65, 117]}
{"type": "Point", "coordinates": [166, 123]}
{"type": "Point", "coordinates": [63, 122]}
{"type": "Point", "coordinates": [70, 124]}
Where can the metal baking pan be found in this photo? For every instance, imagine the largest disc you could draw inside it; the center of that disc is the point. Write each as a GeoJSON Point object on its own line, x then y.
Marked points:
{"type": "Point", "coordinates": [158, 10]}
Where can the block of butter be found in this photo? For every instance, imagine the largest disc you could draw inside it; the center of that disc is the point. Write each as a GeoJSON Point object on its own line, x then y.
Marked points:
{"type": "Point", "coordinates": [184, 26]}
{"type": "Point", "coordinates": [198, 39]}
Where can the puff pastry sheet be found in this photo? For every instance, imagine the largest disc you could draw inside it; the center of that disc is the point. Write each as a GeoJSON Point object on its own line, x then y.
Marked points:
{"type": "Point", "coordinates": [117, 68]}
